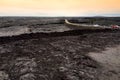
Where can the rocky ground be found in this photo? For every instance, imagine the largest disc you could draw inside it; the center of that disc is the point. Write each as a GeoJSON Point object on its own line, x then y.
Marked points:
{"type": "Point", "coordinates": [56, 57]}
{"type": "Point", "coordinates": [47, 49]}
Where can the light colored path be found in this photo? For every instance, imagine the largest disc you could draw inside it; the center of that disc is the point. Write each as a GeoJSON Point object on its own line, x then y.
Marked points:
{"type": "Point", "coordinates": [18, 30]}
{"type": "Point", "coordinates": [110, 60]}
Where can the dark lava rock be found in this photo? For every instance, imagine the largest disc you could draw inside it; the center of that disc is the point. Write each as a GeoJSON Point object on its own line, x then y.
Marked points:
{"type": "Point", "coordinates": [51, 57]}
{"type": "Point", "coordinates": [4, 76]}
{"type": "Point", "coordinates": [22, 69]}
{"type": "Point", "coordinates": [28, 76]}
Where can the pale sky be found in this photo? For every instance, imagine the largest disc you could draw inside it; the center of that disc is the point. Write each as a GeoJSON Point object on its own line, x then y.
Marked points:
{"type": "Point", "coordinates": [59, 7]}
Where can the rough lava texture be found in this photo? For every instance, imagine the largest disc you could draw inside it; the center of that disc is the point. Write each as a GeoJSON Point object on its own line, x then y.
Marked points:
{"type": "Point", "coordinates": [55, 58]}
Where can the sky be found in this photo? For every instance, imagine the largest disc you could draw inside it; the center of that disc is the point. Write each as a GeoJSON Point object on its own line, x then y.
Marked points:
{"type": "Point", "coordinates": [59, 7]}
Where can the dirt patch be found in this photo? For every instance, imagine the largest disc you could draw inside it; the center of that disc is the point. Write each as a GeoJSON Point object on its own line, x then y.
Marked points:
{"type": "Point", "coordinates": [110, 60]}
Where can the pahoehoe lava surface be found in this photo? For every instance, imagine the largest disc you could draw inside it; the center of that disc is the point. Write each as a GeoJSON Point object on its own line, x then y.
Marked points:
{"type": "Point", "coordinates": [55, 56]}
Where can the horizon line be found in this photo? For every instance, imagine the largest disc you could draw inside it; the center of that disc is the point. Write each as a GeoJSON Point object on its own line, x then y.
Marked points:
{"type": "Point", "coordinates": [54, 16]}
